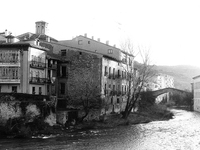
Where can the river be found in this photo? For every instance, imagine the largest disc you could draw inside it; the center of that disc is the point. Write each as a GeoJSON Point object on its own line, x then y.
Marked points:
{"type": "Point", "coordinates": [180, 133]}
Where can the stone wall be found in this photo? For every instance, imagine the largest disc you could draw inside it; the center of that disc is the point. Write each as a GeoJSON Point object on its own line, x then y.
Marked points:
{"type": "Point", "coordinates": [12, 107]}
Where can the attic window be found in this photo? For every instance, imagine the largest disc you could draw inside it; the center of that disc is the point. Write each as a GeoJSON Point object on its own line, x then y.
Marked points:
{"type": "Point", "coordinates": [63, 52]}
{"type": "Point", "coordinates": [110, 51]}
{"type": "Point", "coordinates": [80, 53]}
{"type": "Point", "coordinates": [80, 42]}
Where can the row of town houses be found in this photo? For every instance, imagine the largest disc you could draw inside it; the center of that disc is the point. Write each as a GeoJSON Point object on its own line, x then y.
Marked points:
{"type": "Point", "coordinates": [35, 63]}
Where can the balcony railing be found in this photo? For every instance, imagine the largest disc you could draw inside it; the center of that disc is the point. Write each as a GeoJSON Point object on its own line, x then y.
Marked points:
{"type": "Point", "coordinates": [37, 80]}
{"type": "Point", "coordinates": [9, 80]}
{"type": "Point", "coordinates": [36, 64]}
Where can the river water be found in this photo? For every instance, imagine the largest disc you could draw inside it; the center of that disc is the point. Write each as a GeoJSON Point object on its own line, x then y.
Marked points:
{"type": "Point", "coordinates": [180, 133]}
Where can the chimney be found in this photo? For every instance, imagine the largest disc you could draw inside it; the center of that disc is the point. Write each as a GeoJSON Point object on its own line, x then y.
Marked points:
{"type": "Point", "coordinates": [93, 37]}
{"type": "Point", "coordinates": [98, 39]}
{"type": "Point", "coordinates": [114, 45]}
{"type": "Point", "coordinates": [107, 42]}
{"type": "Point", "coordinates": [85, 34]}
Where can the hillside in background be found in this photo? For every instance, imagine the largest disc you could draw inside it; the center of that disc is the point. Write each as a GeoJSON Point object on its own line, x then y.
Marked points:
{"type": "Point", "coordinates": [182, 74]}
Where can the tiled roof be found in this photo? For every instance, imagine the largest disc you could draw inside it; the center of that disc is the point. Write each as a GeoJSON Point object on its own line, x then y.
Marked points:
{"type": "Point", "coordinates": [32, 36]}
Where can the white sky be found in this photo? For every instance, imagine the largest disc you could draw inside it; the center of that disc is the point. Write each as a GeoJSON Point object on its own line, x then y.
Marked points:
{"type": "Point", "coordinates": [169, 28]}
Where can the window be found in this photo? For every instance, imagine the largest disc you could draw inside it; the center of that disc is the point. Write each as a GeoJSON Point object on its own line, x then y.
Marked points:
{"type": "Point", "coordinates": [117, 100]}
{"type": "Point", "coordinates": [62, 88]}
{"type": "Point", "coordinates": [105, 89]}
{"type": "Point", "coordinates": [80, 42]}
{"type": "Point", "coordinates": [109, 70]}
{"type": "Point", "coordinates": [64, 71]}
{"type": "Point", "coordinates": [109, 86]}
{"type": "Point", "coordinates": [113, 87]}
{"type": "Point", "coordinates": [118, 73]}
{"type": "Point", "coordinates": [110, 51]}
{"type": "Point", "coordinates": [40, 90]}
{"type": "Point", "coordinates": [105, 71]}
{"type": "Point", "coordinates": [113, 72]}
{"type": "Point", "coordinates": [33, 90]}
{"type": "Point", "coordinates": [63, 52]}
{"type": "Point", "coordinates": [88, 42]}
{"type": "Point", "coordinates": [14, 89]}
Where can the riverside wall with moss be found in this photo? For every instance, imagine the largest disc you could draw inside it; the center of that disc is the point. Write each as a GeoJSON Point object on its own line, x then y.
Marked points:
{"type": "Point", "coordinates": [25, 114]}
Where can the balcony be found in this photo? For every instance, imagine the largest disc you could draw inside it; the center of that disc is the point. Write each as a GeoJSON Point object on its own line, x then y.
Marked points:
{"type": "Point", "coordinates": [9, 80]}
{"type": "Point", "coordinates": [39, 65]}
{"type": "Point", "coordinates": [36, 80]}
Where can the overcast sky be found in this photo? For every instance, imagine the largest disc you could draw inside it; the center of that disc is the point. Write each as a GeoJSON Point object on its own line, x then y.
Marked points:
{"type": "Point", "coordinates": [169, 28]}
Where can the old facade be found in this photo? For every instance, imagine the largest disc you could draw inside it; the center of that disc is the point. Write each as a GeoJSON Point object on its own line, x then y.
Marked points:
{"type": "Point", "coordinates": [23, 68]}
{"type": "Point", "coordinates": [67, 69]}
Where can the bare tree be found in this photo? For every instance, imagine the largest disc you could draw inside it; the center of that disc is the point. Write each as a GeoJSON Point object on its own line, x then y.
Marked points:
{"type": "Point", "coordinates": [136, 78]}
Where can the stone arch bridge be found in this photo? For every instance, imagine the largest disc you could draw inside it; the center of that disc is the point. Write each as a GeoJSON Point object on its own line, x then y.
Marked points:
{"type": "Point", "coordinates": [169, 90]}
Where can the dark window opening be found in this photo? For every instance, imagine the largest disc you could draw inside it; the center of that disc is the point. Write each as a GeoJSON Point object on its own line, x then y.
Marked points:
{"type": "Point", "coordinates": [33, 90]}
{"type": "Point", "coordinates": [62, 88]}
{"type": "Point", "coordinates": [64, 71]}
{"type": "Point", "coordinates": [14, 89]}
{"type": "Point", "coordinates": [40, 90]}
{"type": "Point", "coordinates": [105, 73]}
{"type": "Point", "coordinates": [63, 52]}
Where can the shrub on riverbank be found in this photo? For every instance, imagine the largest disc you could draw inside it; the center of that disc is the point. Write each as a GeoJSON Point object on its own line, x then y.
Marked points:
{"type": "Point", "coordinates": [145, 115]}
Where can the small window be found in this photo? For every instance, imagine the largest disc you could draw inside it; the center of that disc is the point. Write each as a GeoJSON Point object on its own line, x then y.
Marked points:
{"type": "Point", "coordinates": [14, 89]}
{"type": "Point", "coordinates": [88, 42]}
{"type": "Point", "coordinates": [118, 100]}
{"type": "Point", "coordinates": [105, 71]}
{"type": "Point", "coordinates": [33, 90]}
{"type": "Point", "coordinates": [62, 88]}
{"type": "Point", "coordinates": [113, 72]}
{"type": "Point", "coordinates": [80, 42]}
{"type": "Point", "coordinates": [40, 90]}
{"type": "Point", "coordinates": [110, 51]}
{"type": "Point", "coordinates": [64, 71]}
{"type": "Point", "coordinates": [109, 70]}
{"type": "Point", "coordinates": [63, 52]}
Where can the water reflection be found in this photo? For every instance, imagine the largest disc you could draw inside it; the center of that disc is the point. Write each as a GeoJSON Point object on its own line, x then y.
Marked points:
{"type": "Point", "coordinates": [182, 132]}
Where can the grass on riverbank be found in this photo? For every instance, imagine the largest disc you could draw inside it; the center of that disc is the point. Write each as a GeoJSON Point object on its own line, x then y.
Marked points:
{"type": "Point", "coordinates": [152, 113]}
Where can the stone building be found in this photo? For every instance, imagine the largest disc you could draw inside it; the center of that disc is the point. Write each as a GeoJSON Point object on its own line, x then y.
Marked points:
{"type": "Point", "coordinates": [22, 68]}
{"type": "Point", "coordinates": [196, 93]}
{"type": "Point", "coordinates": [75, 68]}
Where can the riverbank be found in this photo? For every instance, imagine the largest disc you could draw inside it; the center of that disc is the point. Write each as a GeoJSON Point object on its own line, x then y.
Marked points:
{"type": "Point", "coordinates": [152, 113]}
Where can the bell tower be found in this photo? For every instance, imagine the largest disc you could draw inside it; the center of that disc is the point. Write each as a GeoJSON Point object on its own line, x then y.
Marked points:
{"type": "Point", "coordinates": [41, 27]}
